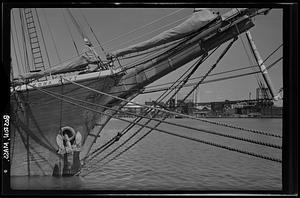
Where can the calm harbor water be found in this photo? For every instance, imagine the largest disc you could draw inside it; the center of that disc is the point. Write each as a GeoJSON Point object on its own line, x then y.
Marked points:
{"type": "Point", "coordinates": [164, 162]}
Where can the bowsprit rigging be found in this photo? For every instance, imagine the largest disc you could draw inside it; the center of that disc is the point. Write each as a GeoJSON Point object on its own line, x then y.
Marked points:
{"type": "Point", "coordinates": [117, 137]}
{"type": "Point", "coordinates": [150, 89]}
{"type": "Point", "coordinates": [66, 112]}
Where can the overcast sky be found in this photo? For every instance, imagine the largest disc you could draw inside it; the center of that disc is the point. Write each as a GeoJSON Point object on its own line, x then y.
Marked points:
{"type": "Point", "coordinates": [110, 23]}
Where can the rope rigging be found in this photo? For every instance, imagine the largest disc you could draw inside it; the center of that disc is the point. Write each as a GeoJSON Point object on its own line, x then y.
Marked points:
{"type": "Point", "coordinates": [140, 139]}
{"type": "Point", "coordinates": [110, 142]}
{"type": "Point", "coordinates": [132, 124]}
{"type": "Point", "coordinates": [214, 74]}
{"type": "Point", "coordinates": [33, 149]}
{"type": "Point", "coordinates": [61, 106]}
{"type": "Point", "coordinates": [203, 58]}
{"type": "Point", "coordinates": [269, 67]}
{"type": "Point", "coordinates": [150, 89]}
{"type": "Point", "coordinates": [210, 70]}
{"type": "Point", "coordinates": [48, 146]}
{"type": "Point", "coordinates": [174, 49]}
{"type": "Point", "coordinates": [13, 146]}
{"type": "Point", "coordinates": [209, 81]}
{"type": "Point", "coordinates": [255, 72]}
{"type": "Point", "coordinates": [258, 79]}
{"type": "Point", "coordinates": [250, 16]}
{"type": "Point", "coordinates": [18, 43]}
{"type": "Point", "coordinates": [180, 114]}
{"type": "Point", "coordinates": [150, 51]}
{"type": "Point", "coordinates": [226, 19]}
{"type": "Point", "coordinates": [218, 60]}
{"type": "Point", "coordinates": [17, 122]}
{"type": "Point", "coordinates": [86, 39]}
{"type": "Point", "coordinates": [28, 151]}
{"type": "Point", "coordinates": [175, 46]}
{"type": "Point", "coordinates": [69, 30]}
{"type": "Point", "coordinates": [102, 148]}
{"type": "Point", "coordinates": [163, 131]}
{"type": "Point", "coordinates": [150, 55]}
{"type": "Point", "coordinates": [148, 33]}
{"type": "Point", "coordinates": [158, 129]}
{"type": "Point", "coordinates": [126, 129]}
{"type": "Point", "coordinates": [271, 54]}
{"type": "Point", "coordinates": [15, 51]}
{"type": "Point", "coordinates": [155, 55]}
{"type": "Point", "coordinates": [26, 59]}
{"type": "Point", "coordinates": [52, 38]}
{"type": "Point", "coordinates": [143, 26]}
{"type": "Point", "coordinates": [93, 32]}
{"type": "Point", "coordinates": [268, 89]}
{"type": "Point", "coordinates": [166, 122]}
{"type": "Point", "coordinates": [30, 114]}
{"type": "Point", "coordinates": [77, 25]}
{"type": "Point", "coordinates": [107, 41]}
{"type": "Point", "coordinates": [196, 140]}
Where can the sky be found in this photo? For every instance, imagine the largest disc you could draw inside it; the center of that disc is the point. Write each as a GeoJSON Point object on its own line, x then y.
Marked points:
{"type": "Point", "coordinates": [115, 29]}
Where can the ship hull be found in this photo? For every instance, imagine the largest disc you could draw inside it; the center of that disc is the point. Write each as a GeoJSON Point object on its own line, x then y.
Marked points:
{"type": "Point", "coordinates": [43, 115]}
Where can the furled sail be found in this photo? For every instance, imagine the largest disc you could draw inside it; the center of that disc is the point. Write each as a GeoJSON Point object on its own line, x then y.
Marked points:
{"type": "Point", "coordinates": [194, 23]}
{"type": "Point", "coordinates": [79, 63]}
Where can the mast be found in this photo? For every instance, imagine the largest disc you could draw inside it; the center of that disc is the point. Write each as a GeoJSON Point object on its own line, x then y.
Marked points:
{"type": "Point", "coordinates": [262, 67]}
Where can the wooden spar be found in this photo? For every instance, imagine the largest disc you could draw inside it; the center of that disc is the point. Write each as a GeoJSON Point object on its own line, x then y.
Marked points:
{"type": "Point", "coordinates": [168, 62]}
{"type": "Point", "coordinates": [262, 66]}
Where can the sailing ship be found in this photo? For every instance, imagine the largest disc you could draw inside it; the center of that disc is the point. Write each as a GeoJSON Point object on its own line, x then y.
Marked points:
{"type": "Point", "coordinates": [68, 106]}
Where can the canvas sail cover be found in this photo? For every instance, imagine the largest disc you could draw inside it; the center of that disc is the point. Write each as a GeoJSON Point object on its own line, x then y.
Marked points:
{"type": "Point", "coordinates": [200, 18]}
{"type": "Point", "coordinates": [78, 63]}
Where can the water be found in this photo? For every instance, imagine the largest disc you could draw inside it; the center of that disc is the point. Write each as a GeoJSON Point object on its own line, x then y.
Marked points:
{"type": "Point", "coordinates": [164, 162]}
